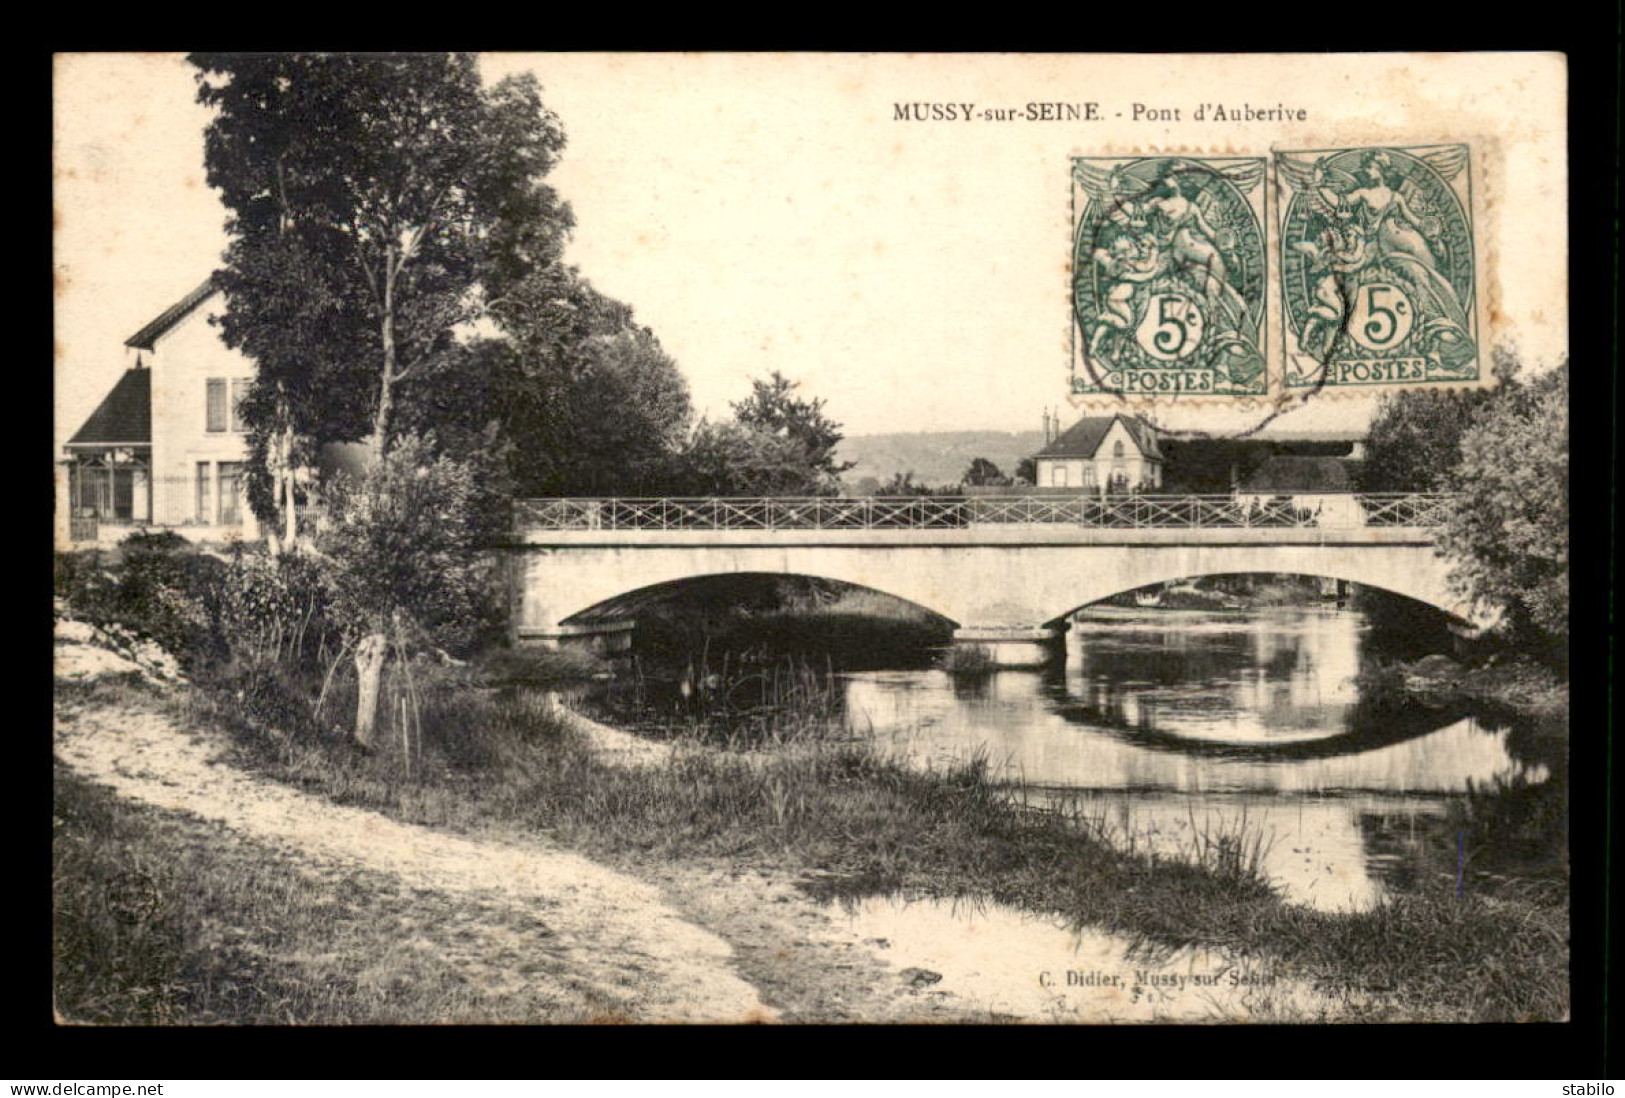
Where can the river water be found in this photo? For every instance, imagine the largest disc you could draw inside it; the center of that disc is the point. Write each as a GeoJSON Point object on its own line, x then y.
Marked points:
{"type": "Point", "coordinates": [1167, 729]}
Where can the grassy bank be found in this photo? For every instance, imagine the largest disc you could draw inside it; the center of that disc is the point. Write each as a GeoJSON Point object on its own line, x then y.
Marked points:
{"type": "Point", "coordinates": [847, 822]}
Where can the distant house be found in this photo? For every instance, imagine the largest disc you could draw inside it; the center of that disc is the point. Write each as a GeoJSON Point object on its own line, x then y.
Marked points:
{"type": "Point", "coordinates": [1102, 453]}
{"type": "Point", "coordinates": [166, 447]}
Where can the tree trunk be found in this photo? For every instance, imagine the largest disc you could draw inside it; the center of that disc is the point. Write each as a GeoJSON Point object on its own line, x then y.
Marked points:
{"type": "Point", "coordinates": [369, 671]}
{"type": "Point", "coordinates": [290, 517]}
{"type": "Point", "coordinates": [386, 381]}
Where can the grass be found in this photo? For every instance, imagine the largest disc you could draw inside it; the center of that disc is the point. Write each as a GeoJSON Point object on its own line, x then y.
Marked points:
{"type": "Point", "coordinates": [161, 918]}
{"type": "Point", "coordinates": [849, 822]}
{"type": "Point", "coordinates": [969, 659]}
{"type": "Point", "coordinates": [736, 706]}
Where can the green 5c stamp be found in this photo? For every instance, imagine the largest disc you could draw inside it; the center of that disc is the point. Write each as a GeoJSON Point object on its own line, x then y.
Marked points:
{"type": "Point", "coordinates": [1377, 265]}
{"type": "Point", "coordinates": [1168, 276]}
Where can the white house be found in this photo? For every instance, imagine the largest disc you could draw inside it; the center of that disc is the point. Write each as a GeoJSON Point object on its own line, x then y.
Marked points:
{"type": "Point", "coordinates": [1115, 453]}
{"type": "Point", "coordinates": [165, 447]}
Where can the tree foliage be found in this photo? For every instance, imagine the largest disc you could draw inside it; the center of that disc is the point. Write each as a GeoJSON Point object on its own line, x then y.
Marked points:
{"type": "Point", "coordinates": [982, 473]}
{"type": "Point", "coordinates": [903, 484]}
{"type": "Point", "coordinates": [1508, 527]}
{"type": "Point", "coordinates": [734, 459]}
{"type": "Point", "coordinates": [374, 200]}
{"type": "Point", "coordinates": [401, 539]}
{"type": "Point", "coordinates": [588, 400]}
{"type": "Point", "coordinates": [773, 409]}
{"type": "Point", "coordinates": [1414, 444]}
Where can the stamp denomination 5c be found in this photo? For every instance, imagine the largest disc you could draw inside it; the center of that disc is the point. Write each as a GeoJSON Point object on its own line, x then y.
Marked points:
{"type": "Point", "coordinates": [1377, 267]}
{"type": "Point", "coordinates": [1168, 276]}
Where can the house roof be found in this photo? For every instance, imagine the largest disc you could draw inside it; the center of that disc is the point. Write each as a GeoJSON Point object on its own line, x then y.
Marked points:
{"type": "Point", "coordinates": [1285, 473]}
{"type": "Point", "coordinates": [124, 415]}
{"type": "Point", "coordinates": [1084, 437]}
{"type": "Point", "coordinates": [157, 328]}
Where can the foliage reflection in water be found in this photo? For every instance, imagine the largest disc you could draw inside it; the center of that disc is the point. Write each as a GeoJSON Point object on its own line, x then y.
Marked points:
{"type": "Point", "coordinates": [1163, 729]}
{"type": "Point", "coordinates": [1174, 733]}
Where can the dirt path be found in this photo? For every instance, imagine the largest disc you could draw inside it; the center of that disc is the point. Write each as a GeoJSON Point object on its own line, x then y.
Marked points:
{"type": "Point", "coordinates": [659, 942]}
{"type": "Point", "coordinates": [617, 942]}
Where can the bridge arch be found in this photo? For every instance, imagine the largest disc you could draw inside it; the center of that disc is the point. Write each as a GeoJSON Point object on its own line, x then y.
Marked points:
{"type": "Point", "coordinates": [1425, 591]}
{"type": "Point", "coordinates": [632, 602]}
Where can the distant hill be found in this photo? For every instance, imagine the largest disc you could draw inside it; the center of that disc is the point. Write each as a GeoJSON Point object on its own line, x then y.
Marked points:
{"type": "Point", "coordinates": [934, 457]}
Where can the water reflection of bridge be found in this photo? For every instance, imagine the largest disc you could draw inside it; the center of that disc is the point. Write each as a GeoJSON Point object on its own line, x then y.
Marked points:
{"type": "Point", "coordinates": [1005, 569]}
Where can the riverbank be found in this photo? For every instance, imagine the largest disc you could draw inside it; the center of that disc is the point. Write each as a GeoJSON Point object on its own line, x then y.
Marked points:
{"type": "Point", "coordinates": [1514, 684]}
{"type": "Point", "coordinates": [820, 823]}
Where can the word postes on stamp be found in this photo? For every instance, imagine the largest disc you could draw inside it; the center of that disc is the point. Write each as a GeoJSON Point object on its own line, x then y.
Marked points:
{"type": "Point", "coordinates": [1377, 267]}
{"type": "Point", "coordinates": [1168, 284]}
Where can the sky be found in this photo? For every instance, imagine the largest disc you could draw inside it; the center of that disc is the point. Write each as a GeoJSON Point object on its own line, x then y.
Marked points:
{"type": "Point", "coordinates": [770, 212]}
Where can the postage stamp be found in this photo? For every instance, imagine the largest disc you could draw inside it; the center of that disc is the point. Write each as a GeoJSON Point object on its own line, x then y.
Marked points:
{"type": "Point", "coordinates": [1377, 267]}
{"type": "Point", "coordinates": [1168, 276]}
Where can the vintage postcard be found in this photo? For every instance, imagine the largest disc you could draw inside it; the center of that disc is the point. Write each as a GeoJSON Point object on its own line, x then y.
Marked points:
{"type": "Point", "coordinates": [803, 538]}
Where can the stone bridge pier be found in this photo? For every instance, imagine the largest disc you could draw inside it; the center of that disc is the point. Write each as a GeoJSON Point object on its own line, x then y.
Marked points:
{"type": "Point", "coordinates": [1007, 588]}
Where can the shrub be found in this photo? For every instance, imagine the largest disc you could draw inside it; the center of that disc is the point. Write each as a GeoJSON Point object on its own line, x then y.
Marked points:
{"type": "Point", "coordinates": [274, 610]}
{"type": "Point", "coordinates": [159, 589]}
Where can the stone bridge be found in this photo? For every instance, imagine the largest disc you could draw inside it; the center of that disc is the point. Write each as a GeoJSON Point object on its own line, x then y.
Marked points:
{"type": "Point", "coordinates": [1006, 570]}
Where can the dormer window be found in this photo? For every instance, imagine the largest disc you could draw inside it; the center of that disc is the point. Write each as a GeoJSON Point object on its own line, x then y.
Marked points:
{"type": "Point", "coordinates": [223, 403]}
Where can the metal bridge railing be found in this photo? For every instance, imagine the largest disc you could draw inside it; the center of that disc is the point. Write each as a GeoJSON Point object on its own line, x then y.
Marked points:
{"type": "Point", "coordinates": [1324, 511]}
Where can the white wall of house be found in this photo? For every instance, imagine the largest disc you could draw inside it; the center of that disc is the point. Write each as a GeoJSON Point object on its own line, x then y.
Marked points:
{"type": "Point", "coordinates": [185, 452]}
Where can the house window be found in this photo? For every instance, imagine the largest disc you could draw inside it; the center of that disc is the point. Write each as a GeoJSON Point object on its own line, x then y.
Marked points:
{"type": "Point", "coordinates": [1117, 448]}
{"type": "Point", "coordinates": [239, 390]}
{"type": "Point", "coordinates": [216, 404]}
{"type": "Point", "coordinates": [1089, 474]}
{"type": "Point", "coordinates": [1057, 477]}
{"type": "Point", "coordinates": [223, 402]}
{"type": "Point", "coordinates": [231, 494]}
{"type": "Point", "coordinates": [204, 483]}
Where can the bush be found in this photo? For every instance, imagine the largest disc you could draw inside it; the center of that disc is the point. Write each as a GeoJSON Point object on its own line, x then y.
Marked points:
{"type": "Point", "coordinates": [160, 589]}
{"type": "Point", "coordinates": [274, 610]}
{"type": "Point", "coordinates": [1508, 526]}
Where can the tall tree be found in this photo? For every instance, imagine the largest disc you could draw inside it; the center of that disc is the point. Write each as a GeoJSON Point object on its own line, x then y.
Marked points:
{"type": "Point", "coordinates": [377, 202]}
{"type": "Point", "coordinates": [371, 198]}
